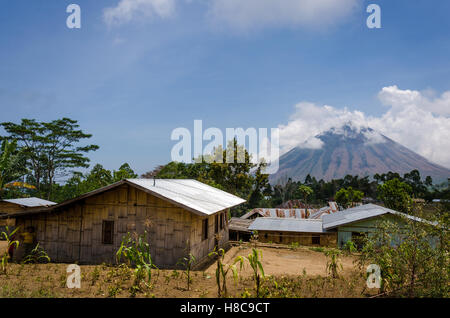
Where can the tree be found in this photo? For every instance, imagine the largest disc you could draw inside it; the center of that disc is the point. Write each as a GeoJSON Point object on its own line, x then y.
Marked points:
{"type": "Point", "coordinates": [97, 178]}
{"type": "Point", "coordinates": [124, 172]}
{"type": "Point", "coordinates": [305, 191]}
{"type": "Point", "coordinates": [395, 195]}
{"type": "Point", "coordinates": [346, 197]}
{"type": "Point", "coordinates": [11, 165]}
{"type": "Point", "coordinates": [50, 149]}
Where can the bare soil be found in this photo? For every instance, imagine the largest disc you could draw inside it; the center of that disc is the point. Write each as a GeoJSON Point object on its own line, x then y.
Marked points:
{"type": "Point", "coordinates": [281, 260]}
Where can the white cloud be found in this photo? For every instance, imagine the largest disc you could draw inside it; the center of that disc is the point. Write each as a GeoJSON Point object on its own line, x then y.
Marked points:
{"type": "Point", "coordinates": [127, 10]}
{"type": "Point", "coordinates": [412, 119]}
{"type": "Point", "coordinates": [310, 120]}
{"type": "Point", "coordinates": [250, 14]}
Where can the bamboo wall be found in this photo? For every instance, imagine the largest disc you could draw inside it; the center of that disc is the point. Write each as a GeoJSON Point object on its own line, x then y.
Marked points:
{"type": "Point", "coordinates": [325, 239]}
{"type": "Point", "coordinates": [74, 234]}
{"type": "Point", "coordinates": [8, 207]}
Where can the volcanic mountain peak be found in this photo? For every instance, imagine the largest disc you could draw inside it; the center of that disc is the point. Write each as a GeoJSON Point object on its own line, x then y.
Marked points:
{"type": "Point", "coordinates": [351, 133]}
{"type": "Point", "coordinates": [355, 150]}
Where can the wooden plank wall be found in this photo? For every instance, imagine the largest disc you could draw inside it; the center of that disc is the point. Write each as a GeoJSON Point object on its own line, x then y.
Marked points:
{"type": "Point", "coordinates": [75, 233]}
{"type": "Point", "coordinates": [200, 248]}
{"type": "Point", "coordinates": [7, 207]}
{"type": "Point", "coordinates": [326, 239]}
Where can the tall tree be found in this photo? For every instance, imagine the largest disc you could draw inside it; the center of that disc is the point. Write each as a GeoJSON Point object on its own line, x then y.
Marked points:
{"type": "Point", "coordinates": [396, 195]}
{"type": "Point", "coordinates": [51, 148]}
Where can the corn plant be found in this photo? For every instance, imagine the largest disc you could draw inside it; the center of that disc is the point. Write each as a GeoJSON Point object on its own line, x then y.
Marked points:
{"type": "Point", "coordinates": [136, 252]}
{"type": "Point", "coordinates": [223, 269]}
{"type": "Point", "coordinates": [333, 264]}
{"type": "Point", "coordinates": [187, 262]}
{"type": "Point", "coordinates": [258, 270]}
{"type": "Point", "coordinates": [37, 255]}
{"type": "Point", "coordinates": [10, 243]}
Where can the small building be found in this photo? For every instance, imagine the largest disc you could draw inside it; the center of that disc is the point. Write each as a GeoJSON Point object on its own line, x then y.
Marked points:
{"type": "Point", "coordinates": [8, 206]}
{"type": "Point", "coordinates": [238, 229]}
{"type": "Point", "coordinates": [180, 217]}
{"type": "Point", "coordinates": [287, 231]}
{"type": "Point", "coordinates": [22, 204]}
{"type": "Point", "coordinates": [354, 223]}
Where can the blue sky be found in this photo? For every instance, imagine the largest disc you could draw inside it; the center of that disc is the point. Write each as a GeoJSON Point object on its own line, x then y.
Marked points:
{"type": "Point", "coordinates": [131, 83]}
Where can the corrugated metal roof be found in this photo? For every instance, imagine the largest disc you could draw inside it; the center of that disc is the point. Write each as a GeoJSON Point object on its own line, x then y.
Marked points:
{"type": "Point", "coordinates": [191, 194]}
{"type": "Point", "coordinates": [287, 225]}
{"type": "Point", "coordinates": [359, 213]}
{"type": "Point", "coordinates": [238, 224]}
{"type": "Point", "coordinates": [30, 202]}
{"type": "Point", "coordinates": [279, 213]}
{"type": "Point", "coordinates": [331, 208]}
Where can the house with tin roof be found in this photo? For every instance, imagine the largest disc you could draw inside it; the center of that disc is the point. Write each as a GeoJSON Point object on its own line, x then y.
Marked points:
{"type": "Point", "coordinates": [180, 217]}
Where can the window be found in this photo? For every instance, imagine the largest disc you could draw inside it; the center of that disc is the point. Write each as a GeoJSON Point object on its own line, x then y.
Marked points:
{"type": "Point", "coordinates": [205, 229]}
{"type": "Point", "coordinates": [216, 223]}
{"type": "Point", "coordinates": [108, 232]}
{"type": "Point", "coordinates": [315, 240]}
{"type": "Point", "coordinates": [222, 216]}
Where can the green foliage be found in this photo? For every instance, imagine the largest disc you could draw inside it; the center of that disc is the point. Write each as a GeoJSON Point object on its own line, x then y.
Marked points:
{"type": "Point", "coordinates": [350, 247]}
{"type": "Point", "coordinates": [305, 191]}
{"type": "Point", "coordinates": [136, 251]}
{"type": "Point", "coordinates": [187, 262]}
{"type": "Point", "coordinates": [347, 196]}
{"type": "Point", "coordinates": [395, 194]}
{"type": "Point", "coordinates": [98, 177]}
{"type": "Point", "coordinates": [37, 255]}
{"type": "Point", "coordinates": [333, 263]}
{"type": "Point", "coordinates": [254, 260]}
{"type": "Point", "coordinates": [222, 270]}
{"type": "Point", "coordinates": [50, 149]}
{"type": "Point", "coordinates": [8, 236]}
{"type": "Point", "coordinates": [414, 256]}
{"type": "Point", "coordinates": [12, 164]}
{"type": "Point", "coordinates": [294, 245]}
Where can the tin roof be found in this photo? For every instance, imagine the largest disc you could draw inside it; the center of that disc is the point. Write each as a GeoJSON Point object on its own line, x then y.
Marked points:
{"type": "Point", "coordinates": [359, 213]}
{"type": "Point", "coordinates": [30, 202]}
{"type": "Point", "coordinates": [189, 194]}
{"type": "Point", "coordinates": [331, 208]}
{"type": "Point", "coordinates": [240, 225]}
{"type": "Point", "coordinates": [279, 213]}
{"type": "Point", "coordinates": [287, 225]}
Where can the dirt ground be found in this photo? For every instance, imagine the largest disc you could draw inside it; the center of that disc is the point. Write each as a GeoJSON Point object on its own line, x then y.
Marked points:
{"type": "Point", "coordinates": [289, 273]}
{"type": "Point", "coordinates": [279, 260]}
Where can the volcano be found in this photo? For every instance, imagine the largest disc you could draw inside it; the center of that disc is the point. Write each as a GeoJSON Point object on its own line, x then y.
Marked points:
{"type": "Point", "coordinates": [355, 151]}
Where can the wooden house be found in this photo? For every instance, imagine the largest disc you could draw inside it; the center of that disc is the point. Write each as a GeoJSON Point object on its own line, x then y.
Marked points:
{"type": "Point", "coordinates": [180, 217]}
{"type": "Point", "coordinates": [9, 206]}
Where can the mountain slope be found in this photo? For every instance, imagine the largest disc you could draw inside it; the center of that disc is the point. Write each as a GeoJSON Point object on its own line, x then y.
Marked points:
{"type": "Point", "coordinates": [348, 151]}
